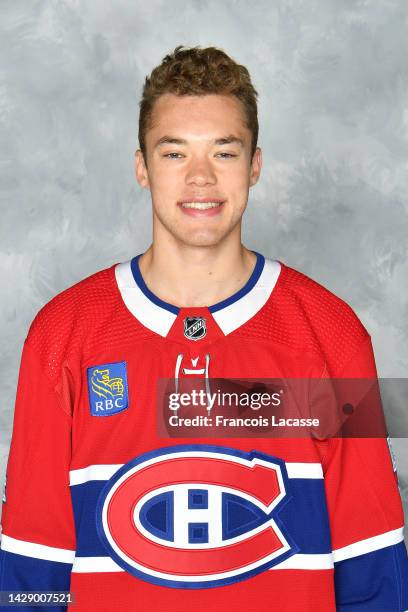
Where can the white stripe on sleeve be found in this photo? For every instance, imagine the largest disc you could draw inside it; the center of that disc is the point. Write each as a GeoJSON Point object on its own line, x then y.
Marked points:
{"type": "Point", "coordinates": [36, 551]}
{"type": "Point", "coordinates": [368, 545]}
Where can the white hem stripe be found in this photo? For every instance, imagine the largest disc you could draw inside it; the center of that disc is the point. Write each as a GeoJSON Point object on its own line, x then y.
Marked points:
{"type": "Point", "coordinates": [304, 470]}
{"type": "Point", "coordinates": [106, 471]}
{"type": "Point", "coordinates": [93, 565]}
{"type": "Point", "coordinates": [36, 551]}
{"type": "Point", "coordinates": [93, 472]}
{"type": "Point", "coordinates": [83, 565]}
{"type": "Point", "coordinates": [298, 561]}
{"type": "Point", "coordinates": [306, 562]}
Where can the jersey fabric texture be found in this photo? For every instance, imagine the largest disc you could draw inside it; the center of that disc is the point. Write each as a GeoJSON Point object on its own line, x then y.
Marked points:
{"type": "Point", "coordinates": [97, 503]}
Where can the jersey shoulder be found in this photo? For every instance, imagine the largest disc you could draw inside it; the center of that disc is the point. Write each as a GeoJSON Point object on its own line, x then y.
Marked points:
{"type": "Point", "coordinates": [321, 305]}
{"type": "Point", "coordinates": [69, 323]}
{"type": "Point", "coordinates": [306, 316]}
{"type": "Point", "coordinates": [81, 299]}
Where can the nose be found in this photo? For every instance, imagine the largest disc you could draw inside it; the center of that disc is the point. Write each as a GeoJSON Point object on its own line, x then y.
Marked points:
{"type": "Point", "coordinates": [200, 172]}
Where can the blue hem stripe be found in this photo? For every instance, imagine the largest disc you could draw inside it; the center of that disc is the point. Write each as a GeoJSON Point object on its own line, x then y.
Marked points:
{"type": "Point", "coordinates": [307, 498]}
{"type": "Point", "coordinates": [249, 285]}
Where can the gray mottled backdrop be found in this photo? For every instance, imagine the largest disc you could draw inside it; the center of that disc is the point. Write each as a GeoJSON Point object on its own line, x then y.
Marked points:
{"type": "Point", "coordinates": [332, 202]}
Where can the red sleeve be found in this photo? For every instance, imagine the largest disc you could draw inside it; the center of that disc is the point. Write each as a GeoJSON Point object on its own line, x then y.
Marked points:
{"type": "Point", "coordinates": [38, 535]}
{"type": "Point", "coordinates": [366, 514]}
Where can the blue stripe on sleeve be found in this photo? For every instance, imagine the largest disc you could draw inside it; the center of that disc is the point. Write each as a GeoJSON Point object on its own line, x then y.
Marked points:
{"type": "Point", "coordinates": [21, 573]}
{"type": "Point", "coordinates": [374, 581]}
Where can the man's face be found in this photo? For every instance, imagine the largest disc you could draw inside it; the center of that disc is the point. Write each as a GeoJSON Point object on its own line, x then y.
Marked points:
{"type": "Point", "coordinates": [199, 167]}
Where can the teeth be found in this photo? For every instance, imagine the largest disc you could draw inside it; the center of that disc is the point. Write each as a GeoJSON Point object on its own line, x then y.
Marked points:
{"type": "Point", "coordinates": [201, 205]}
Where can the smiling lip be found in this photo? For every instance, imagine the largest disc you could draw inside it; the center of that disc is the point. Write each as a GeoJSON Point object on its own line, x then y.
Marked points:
{"type": "Point", "coordinates": [201, 207]}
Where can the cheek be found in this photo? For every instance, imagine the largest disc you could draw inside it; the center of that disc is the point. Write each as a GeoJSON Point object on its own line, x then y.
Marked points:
{"type": "Point", "coordinates": [165, 177]}
{"type": "Point", "coordinates": [236, 176]}
{"type": "Point", "coordinates": [237, 187]}
{"type": "Point", "coordinates": [165, 191]}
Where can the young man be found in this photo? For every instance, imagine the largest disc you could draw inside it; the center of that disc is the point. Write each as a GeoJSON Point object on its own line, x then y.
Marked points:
{"type": "Point", "coordinates": [98, 500]}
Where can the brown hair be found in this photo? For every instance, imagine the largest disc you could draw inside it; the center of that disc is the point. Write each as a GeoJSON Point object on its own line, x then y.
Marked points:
{"type": "Point", "coordinates": [196, 71]}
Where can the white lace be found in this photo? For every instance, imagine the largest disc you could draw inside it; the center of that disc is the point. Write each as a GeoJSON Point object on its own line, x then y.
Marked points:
{"type": "Point", "coordinates": [201, 371]}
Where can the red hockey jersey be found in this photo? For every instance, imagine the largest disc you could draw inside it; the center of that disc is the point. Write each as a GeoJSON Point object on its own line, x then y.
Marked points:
{"type": "Point", "coordinates": [98, 501]}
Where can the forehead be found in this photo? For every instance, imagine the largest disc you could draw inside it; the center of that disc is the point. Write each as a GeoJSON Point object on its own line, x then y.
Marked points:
{"type": "Point", "coordinates": [202, 115]}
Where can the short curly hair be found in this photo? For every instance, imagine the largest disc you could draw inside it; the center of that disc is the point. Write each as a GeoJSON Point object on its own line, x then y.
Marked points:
{"type": "Point", "coordinates": [196, 71]}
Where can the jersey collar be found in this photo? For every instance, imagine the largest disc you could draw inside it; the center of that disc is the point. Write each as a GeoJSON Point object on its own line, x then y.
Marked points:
{"type": "Point", "coordinates": [158, 315]}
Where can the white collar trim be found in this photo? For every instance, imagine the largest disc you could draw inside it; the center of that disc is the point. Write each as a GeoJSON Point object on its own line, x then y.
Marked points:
{"type": "Point", "coordinates": [152, 316]}
{"type": "Point", "coordinates": [229, 318]}
{"type": "Point", "coordinates": [233, 316]}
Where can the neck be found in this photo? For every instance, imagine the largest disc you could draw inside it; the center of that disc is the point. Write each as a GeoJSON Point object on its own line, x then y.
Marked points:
{"type": "Point", "coordinates": [185, 275]}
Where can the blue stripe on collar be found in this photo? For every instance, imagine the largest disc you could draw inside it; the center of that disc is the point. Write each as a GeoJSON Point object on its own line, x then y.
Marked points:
{"type": "Point", "coordinates": [251, 282]}
{"type": "Point", "coordinates": [134, 264]}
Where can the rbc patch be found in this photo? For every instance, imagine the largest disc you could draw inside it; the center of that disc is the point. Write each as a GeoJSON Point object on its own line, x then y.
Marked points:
{"type": "Point", "coordinates": [108, 388]}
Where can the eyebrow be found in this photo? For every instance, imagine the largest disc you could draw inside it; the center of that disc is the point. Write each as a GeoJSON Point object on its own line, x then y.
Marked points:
{"type": "Point", "coordinates": [181, 141]}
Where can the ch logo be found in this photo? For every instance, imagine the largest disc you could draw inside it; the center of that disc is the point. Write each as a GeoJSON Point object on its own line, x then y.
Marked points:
{"type": "Point", "coordinates": [196, 516]}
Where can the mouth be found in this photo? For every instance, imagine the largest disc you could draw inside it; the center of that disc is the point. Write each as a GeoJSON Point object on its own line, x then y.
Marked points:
{"type": "Point", "coordinates": [201, 207]}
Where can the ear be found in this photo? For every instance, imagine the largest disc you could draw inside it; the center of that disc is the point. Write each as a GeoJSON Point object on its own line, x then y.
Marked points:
{"type": "Point", "coordinates": [256, 165]}
{"type": "Point", "coordinates": [141, 170]}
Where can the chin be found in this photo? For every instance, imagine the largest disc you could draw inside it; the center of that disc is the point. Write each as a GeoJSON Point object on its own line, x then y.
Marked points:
{"type": "Point", "coordinates": [201, 240]}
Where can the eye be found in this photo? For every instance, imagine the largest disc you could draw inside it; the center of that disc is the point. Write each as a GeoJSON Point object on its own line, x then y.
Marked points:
{"type": "Point", "coordinates": [224, 155]}
{"type": "Point", "coordinates": [172, 155]}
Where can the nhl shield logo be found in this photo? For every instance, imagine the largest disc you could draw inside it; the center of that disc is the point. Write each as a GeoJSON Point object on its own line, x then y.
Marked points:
{"type": "Point", "coordinates": [195, 328]}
